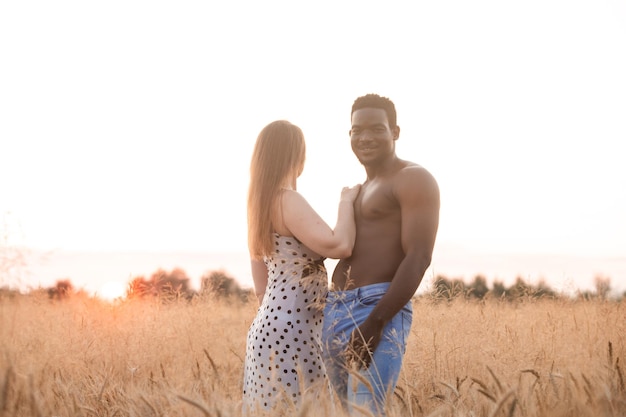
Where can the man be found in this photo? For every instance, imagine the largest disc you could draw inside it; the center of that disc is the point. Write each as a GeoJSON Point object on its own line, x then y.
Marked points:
{"type": "Point", "coordinates": [368, 312]}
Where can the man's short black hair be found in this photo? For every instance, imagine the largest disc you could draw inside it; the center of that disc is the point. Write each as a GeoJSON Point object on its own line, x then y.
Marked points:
{"type": "Point", "coordinates": [377, 102]}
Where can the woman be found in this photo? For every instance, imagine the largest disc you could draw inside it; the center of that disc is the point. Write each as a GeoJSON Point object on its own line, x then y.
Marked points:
{"type": "Point", "coordinates": [288, 243]}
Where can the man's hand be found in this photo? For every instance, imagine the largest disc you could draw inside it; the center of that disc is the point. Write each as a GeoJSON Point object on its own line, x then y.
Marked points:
{"type": "Point", "coordinates": [363, 343]}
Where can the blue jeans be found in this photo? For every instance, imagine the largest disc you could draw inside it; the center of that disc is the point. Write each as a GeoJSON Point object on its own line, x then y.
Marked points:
{"type": "Point", "coordinates": [344, 312]}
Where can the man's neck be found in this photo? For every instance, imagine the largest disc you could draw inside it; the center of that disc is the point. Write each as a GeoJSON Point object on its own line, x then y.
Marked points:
{"type": "Point", "coordinates": [381, 169]}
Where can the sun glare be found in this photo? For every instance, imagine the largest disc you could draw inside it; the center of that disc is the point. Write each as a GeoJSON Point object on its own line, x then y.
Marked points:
{"type": "Point", "coordinates": [112, 290]}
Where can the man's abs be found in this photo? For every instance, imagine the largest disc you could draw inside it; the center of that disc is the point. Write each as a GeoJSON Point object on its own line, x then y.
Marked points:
{"type": "Point", "coordinates": [360, 271]}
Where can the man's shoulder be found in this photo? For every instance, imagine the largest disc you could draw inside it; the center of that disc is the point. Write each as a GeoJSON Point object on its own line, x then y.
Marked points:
{"type": "Point", "coordinates": [414, 170]}
{"type": "Point", "coordinates": [413, 176]}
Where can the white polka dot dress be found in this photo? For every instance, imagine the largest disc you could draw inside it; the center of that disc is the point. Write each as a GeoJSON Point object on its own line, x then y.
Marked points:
{"type": "Point", "coordinates": [284, 349]}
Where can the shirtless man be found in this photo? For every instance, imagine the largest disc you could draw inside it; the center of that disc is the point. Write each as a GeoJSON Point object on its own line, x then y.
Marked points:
{"type": "Point", "coordinates": [368, 314]}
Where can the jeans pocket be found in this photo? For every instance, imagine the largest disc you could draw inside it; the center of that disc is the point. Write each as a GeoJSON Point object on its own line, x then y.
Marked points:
{"type": "Point", "coordinates": [369, 301]}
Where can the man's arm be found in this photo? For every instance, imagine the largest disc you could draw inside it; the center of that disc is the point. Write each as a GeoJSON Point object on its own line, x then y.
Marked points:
{"type": "Point", "coordinates": [417, 193]}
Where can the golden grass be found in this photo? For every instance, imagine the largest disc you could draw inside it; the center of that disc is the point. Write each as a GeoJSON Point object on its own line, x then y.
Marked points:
{"type": "Point", "coordinates": [82, 357]}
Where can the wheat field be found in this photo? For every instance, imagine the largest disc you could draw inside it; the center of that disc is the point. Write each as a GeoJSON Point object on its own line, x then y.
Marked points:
{"type": "Point", "coordinates": [84, 357]}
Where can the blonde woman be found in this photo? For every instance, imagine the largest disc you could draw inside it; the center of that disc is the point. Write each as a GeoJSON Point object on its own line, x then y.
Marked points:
{"type": "Point", "coordinates": [288, 243]}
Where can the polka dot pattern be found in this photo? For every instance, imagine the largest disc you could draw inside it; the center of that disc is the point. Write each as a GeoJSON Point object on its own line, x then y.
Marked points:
{"type": "Point", "coordinates": [284, 349]}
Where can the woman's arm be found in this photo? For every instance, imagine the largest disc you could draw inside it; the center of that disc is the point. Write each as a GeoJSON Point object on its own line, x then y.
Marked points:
{"type": "Point", "coordinates": [306, 225]}
{"type": "Point", "coordinates": [259, 276]}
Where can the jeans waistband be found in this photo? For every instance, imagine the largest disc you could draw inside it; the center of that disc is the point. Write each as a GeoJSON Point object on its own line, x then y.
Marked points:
{"type": "Point", "coordinates": [359, 292]}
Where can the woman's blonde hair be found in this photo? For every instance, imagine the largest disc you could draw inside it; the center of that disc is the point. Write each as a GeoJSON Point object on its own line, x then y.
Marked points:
{"type": "Point", "coordinates": [278, 153]}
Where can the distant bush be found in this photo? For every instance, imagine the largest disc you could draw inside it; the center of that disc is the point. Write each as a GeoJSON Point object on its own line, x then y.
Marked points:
{"type": "Point", "coordinates": [167, 286]}
{"type": "Point", "coordinates": [174, 285]}
{"type": "Point", "coordinates": [221, 285]}
{"type": "Point", "coordinates": [445, 289]}
{"type": "Point", "coordinates": [62, 290]}
{"type": "Point", "coordinates": [7, 292]}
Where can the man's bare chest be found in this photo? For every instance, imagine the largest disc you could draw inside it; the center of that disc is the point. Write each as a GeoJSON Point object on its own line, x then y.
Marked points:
{"type": "Point", "coordinates": [376, 201]}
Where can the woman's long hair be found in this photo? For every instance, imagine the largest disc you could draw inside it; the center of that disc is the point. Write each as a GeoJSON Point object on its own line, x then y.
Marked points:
{"type": "Point", "coordinates": [278, 153]}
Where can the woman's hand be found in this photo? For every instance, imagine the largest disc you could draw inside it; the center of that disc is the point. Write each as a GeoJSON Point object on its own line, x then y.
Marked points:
{"type": "Point", "coordinates": [350, 193]}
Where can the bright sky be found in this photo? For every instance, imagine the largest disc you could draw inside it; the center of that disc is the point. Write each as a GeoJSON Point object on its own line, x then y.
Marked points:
{"type": "Point", "coordinates": [128, 125]}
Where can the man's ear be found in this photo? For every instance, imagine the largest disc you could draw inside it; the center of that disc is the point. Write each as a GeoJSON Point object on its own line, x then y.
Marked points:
{"type": "Point", "coordinates": [396, 132]}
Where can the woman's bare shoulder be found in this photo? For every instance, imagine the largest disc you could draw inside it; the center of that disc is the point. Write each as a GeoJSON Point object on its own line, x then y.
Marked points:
{"type": "Point", "coordinates": [290, 198]}
{"type": "Point", "coordinates": [292, 205]}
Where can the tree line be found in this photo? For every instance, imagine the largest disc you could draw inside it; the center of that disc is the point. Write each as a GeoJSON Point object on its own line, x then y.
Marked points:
{"type": "Point", "coordinates": [174, 285]}
{"type": "Point", "coordinates": [478, 289]}
{"type": "Point", "coordinates": [165, 286]}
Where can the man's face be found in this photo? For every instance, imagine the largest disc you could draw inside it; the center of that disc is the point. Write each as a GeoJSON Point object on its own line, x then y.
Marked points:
{"type": "Point", "coordinates": [372, 139]}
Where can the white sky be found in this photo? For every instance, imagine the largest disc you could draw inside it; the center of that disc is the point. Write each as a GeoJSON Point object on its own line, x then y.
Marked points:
{"type": "Point", "coordinates": [128, 125]}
